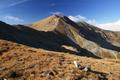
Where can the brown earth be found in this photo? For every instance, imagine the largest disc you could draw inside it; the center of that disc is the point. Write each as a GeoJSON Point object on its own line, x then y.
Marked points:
{"type": "Point", "coordinates": [19, 62]}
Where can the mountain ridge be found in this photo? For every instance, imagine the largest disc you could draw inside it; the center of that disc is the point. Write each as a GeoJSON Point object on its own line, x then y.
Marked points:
{"type": "Point", "coordinates": [56, 32]}
{"type": "Point", "coordinates": [85, 34]}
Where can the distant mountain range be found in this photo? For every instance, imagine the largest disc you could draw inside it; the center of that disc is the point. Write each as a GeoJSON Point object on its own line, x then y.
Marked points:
{"type": "Point", "coordinates": [59, 33]}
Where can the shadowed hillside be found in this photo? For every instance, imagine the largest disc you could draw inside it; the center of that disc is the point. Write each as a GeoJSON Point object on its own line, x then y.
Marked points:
{"type": "Point", "coordinates": [96, 35]}
{"type": "Point", "coordinates": [49, 49]}
{"type": "Point", "coordinates": [52, 41]}
{"type": "Point", "coordinates": [85, 36]}
{"type": "Point", "coordinates": [58, 33]}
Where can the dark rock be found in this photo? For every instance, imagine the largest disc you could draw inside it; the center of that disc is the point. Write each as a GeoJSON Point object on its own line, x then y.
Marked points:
{"type": "Point", "coordinates": [102, 77]}
{"type": "Point", "coordinates": [1, 78]}
{"type": "Point", "coordinates": [12, 74]}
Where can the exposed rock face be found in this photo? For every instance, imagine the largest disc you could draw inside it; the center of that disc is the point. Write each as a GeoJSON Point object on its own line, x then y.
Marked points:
{"type": "Point", "coordinates": [55, 32]}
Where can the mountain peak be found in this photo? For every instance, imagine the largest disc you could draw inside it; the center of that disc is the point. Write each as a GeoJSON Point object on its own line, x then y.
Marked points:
{"type": "Point", "coordinates": [51, 22]}
{"type": "Point", "coordinates": [47, 24]}
{"type": "Point", "coordinates": [83, 37]}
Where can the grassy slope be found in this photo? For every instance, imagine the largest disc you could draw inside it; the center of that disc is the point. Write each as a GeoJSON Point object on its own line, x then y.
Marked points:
{"type": "Point", "coordinates": [22, 62]}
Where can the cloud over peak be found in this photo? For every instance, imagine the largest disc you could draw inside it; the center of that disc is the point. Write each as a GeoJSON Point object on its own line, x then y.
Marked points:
{"type": "Point", "coordinates": [58, 13]}
{"type": "Point", "coordinates": [77, 18]}
{"type": "Point", "coordinates": [113, 26]}
{"type": "Point", "coordinates": [80, 18]}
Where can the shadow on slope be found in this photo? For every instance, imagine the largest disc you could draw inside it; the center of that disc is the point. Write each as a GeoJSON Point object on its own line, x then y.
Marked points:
{"type": "Point", "coordinates": [97, 37]}
{"type": "Point", "coordinates": [89, 32]}
{"type": "Point", "coordinates": [52, 41]}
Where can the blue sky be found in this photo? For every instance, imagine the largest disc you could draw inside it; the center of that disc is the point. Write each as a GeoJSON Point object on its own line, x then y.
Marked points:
{"type": "Point", "coordinates": [29, 11]}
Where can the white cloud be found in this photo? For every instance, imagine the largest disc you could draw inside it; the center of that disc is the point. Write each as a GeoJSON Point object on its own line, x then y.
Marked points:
{"type": "Point", "coordinates": [10, 3]}
{"type": "Point", "coordinates": [14, 18]}
{"type": "Point", "coordinates": [80, 18]}
{"type": "Point", "coordinates": [77, 18]}
{"type": "Point", "coordinates": [113, 26]}
{"type": "Point", "coordinates": [58, 13]}
{"type": "Point", "coordinates": [17, 3]}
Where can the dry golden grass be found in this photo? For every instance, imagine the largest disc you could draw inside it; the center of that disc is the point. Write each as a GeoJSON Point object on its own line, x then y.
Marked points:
{"type": "Point", "coordinates": [20, 62]}
{"type": "Point", "coordinates": [48, 24]}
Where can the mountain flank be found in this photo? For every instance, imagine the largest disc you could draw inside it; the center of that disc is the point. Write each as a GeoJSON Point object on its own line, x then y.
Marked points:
{"type": "Point", "coordinates": [57, 48]}
{"type": "Point", "coordinates": [59, 33]}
